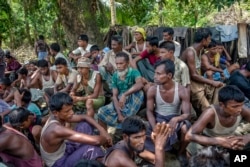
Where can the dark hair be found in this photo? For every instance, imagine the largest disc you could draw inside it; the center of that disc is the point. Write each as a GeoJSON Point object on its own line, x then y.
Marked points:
{"type": "Point", "coordinates": [94, 48]}
{"type": "Point", "coordinates": [42, 63]}
{"type": "Point", "coordinates": [8, 55]}
{"type": "Point", "coordinates": [26, 95]}
{"type": "Point", "coordinates": [83, 37]}
{"type": "Point", "coordinates": [23, 71]}
{"type": "Point", "coordinates": [19, 115]}
{"type": "Point", "coordinates": [41, 37]}
{"type": "Point", "coordinates": [219, 43]}
{"type": "Point", "coordinates": [168, 45]}
{"type": "Point", "coordinates": [5, 81]}
{"type": "Point", "coordinates": [153, 41]}
{"type": "Point", "coordinates": [55, 47]}
{"type": "Point", "coordinates": [212, 44]}
{"type": "Point", "coordinates": [59, 99]}
{"type": "Point", "coordinates": [169, 66]}
{"type": "Point", "coordinates": [124, 55]}
{"type": "Point", "coordinates": [231, 92]}
{"type": "Point", "coordinates": [61, 61]}
{"type": "Point", "coordinates": [132, 125]}
{"type": "Point", "coordinates": [248, 66]}
{"type": "Point", "coordinates": [88, 163]}
{"type": "Point", "coordinates": [33, 62]}
{"type": "Point", "coordinates": [209, 157]}
{"type": "Point", "coordinates": [169, 30]}
{"type": "Point", "coordinates": [117, 38]}
{"type": "Point", "coordinates": [202, 33]}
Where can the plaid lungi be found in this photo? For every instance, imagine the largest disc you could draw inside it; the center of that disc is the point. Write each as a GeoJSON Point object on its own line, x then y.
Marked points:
{"type": "Point", "coordinates": [108, 115]}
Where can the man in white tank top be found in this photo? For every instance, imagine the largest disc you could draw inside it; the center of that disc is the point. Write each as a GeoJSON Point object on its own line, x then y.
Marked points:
{"type": "Point", "coordinates": [168, 101]}
{"type": "Point", "coordinates": [217, 124]}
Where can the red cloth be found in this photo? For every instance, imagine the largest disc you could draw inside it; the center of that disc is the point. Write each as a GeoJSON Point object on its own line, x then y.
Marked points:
{"type": "Point", "coordinates": [13, 66]}
{"type": "Point", "coordinates": [151, 57]}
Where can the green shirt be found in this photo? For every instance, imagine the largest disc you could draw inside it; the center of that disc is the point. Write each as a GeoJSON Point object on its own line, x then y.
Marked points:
{"type": "Point", "coordinates": [127, 83]}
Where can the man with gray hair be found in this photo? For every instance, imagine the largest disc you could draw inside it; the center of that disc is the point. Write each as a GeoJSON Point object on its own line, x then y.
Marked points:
{"type": "Point", "coordinates": [107, 66]}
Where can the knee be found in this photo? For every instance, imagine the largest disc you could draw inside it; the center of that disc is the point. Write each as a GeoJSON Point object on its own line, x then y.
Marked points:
{"type": "Point", "coordinates": [184, 129]}
{"type": "Point", "coordinates": [209, 73]}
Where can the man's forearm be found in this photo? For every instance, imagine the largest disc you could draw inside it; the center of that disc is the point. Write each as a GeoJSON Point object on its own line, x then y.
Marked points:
{"type": "Point", "coordinates": [133, 89]}
{"type": "Point", "coordinates": [159, 156]}
{"type": "Point", "coordinates": [92, 122]}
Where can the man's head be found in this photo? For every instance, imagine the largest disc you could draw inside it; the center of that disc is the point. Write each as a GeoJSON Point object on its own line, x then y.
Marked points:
{"type": "Point", "coordinates": [4, 83]}
{"type": "Point", "coordinates": [209, 157]}
{"type": "Point", "coordinates": [134, 133]}
{"type": "Point", "coordinates": [8, 57]}
{"type": "Point", "coordinates": [94, 51]}
{"type": "Point", "coordinates": [168, 33]}
{"type": "Point", "coordinates": [23, 73]}
{"type": "Point", "coordinates": [116, 43]}
{"type": "Point", "coordinates": [83, 40]}
{"type": "Point", "coordinates": [26, 97]}
{"type": "Point", "coordinates": [54, 48]}
{"type": "Point", "coordinates": [83, 66]}
{"type": "Point", "coordinates": [167, 49]}
{"type": "Point", "coordinates": [139, 34]}
{"type": "Point", "coordinates": [21, 118]}
{"type": "Point", "coordinates": [220, 47]}
{"type": "Point", "coordinates": [164, 71]}
{"type": "Point", "coordinates": [60, 104]}
{"type": "Point", "coordinates": [122, 63]}
{"type": "Point", "coordinates": [212, 47]}
{"type": "Point", "coordinates": [44, 66]}
{"type": "Point", "coordinates": [152, 44]}
{"type": "Point", "coordinates": [61, 65]}
{"type": "Point", "coordinates": [203, 36]}
{"type": "Point", "coordinates": [231, 100]}
{"type": "Point", "coordinates": [32, 65]}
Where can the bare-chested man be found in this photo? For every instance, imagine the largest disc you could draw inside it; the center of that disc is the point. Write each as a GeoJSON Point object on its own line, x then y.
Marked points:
{"type": "Point", "coordinates": [16, 149]}
{"type": "Point", "coordinates": [203, 90]}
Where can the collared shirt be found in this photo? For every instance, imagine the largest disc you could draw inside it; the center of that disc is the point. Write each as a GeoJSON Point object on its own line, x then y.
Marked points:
{"type": "Point", "coordinates": [69, 79]}
{"type": "Point", "coordinates": [81, 50]}
{"type": "Point", "coordinates": [181, 74]}
{"type": "Point", "coordinates": [110, 58]}
{"type": "Point", "coordinates": [127, 83]}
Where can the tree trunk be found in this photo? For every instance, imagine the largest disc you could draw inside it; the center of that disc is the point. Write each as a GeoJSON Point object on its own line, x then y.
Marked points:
{"type": "Point", "coordinates": [113, 12]}
{"type": "Point", "coordinates": [25, 8]}
{"type": "Point", "coordinates": [79, 17]}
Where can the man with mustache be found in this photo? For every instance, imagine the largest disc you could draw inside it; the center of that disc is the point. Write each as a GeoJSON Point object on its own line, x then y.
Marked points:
{"type": "Point", "coordinates": [134, 134]}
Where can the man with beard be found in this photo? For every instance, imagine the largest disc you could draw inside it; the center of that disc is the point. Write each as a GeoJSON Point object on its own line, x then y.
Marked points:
{"type": "Point", "coordinates": [203, 90]}
{"type": "Point", "coordinates": [107, 66]}
{"type": "Point", "coordinates": [134, 134]}
{"type": "Point", "coordinates": [127, 94]}
{"type": "Point", "coordinates": [168, 101]}
{"type": "Point", "coordinates": [147, 59]}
